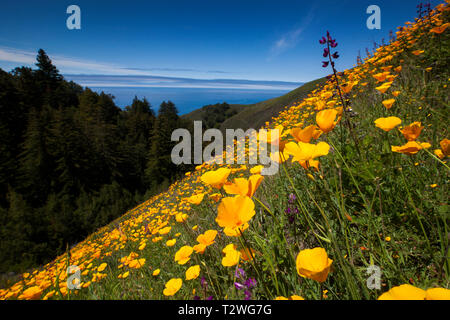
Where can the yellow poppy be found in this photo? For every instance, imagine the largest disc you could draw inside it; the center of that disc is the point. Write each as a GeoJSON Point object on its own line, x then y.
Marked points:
{"type": "Point", "coordinates": [404, 292]}
{"type": "Point", "coordinates": [412, 131]}
{"type": "Point", "coordinates": [156, 272]}
{"type": "Point", "coordinates": [306, 151]}
{"type": "Point", "coordinates": [171, 242]}
{"type": "Point", "coordinates": [196, 198]}
{"type": "Point", "coordinates": [387, 124]}
{"type": "Point", "coordinates": [216, 178]}
{"type": "Point", "coordinates": [31, 293]}
{"type": "Point", "coordinates": [440, 29]}
{"type": "Point", "coordinates": [325, 119]}
{"type": "Point", "coordinates": [234, 212]}
{"type": "Point", "coordinates": [445, 147]}
{"type": "Point", "coordinates": [437, 294]}
{"type": "Point", "coordinates": [207, 238]}
{"type": "Point", "coordinates": [102, 267]}
{"type": "Point", "coordinates": [388, 103]}
{"type": "Point", "coordinates": [193, 272]}
{"type": "Point", "coordinates": [412, 147]}
{"type": "Point", "coordinates": [384, 87]}
{"type": "Point", "coordinates": [232, 256]}
{"type": "Point", "coordinates": [305, 135]}
{"type": "Point", "coordinates": [172, 287]}
{"type": "Point", "coordinates": [313, 264]}
{"type": "Point", "coordinates": [256, 169]}
{"type": "Point", "coordinates": [243, 186]}
{"type": "Point", "coordinates": [184, 254]}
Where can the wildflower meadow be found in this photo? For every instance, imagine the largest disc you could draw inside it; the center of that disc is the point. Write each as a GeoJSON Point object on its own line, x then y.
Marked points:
{"type": "Point", "coordinates": [357, 211]}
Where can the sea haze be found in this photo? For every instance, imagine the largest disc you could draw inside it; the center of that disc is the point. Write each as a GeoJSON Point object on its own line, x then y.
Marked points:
{"type": "Point", "coordinates": [188, 94]}
{"type": "Point", "coordinates": [188, 99]}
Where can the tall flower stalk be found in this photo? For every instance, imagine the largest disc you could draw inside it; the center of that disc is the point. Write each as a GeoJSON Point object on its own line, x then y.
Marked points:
{"type": "Point", "coordinates": [327, 53]}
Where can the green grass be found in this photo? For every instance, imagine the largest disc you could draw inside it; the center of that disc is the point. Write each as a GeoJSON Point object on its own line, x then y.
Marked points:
{"type": "Point", "coordinates": [256, 115]}
{"type": "Point", "coordinates": [374, 207]}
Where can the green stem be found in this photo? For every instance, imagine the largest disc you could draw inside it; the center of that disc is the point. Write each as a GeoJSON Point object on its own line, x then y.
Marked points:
{"type": "Point", "coordinates": [415, 210]}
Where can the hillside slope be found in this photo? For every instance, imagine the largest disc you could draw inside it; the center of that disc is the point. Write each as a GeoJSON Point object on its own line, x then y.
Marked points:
{"type": "Point", "coordinates": [364, 190]}
{"type": "Point", "coordinates": [256, 115]}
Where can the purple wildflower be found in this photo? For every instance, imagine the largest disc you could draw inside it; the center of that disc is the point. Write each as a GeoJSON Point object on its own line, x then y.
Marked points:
{"type": "Point", "coordinates": [239, 286]}
{"type": "Point", "coordinates": [250, 283]}
{"type": "Point", "coordinates": [292, 198]}
{"type": "Point", "coordinates": [203, 283]}
{"type": "Point", "coordinates": [240, 273]}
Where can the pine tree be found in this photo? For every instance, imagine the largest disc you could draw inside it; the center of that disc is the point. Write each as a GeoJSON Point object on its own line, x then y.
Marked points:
{"type": "Point", "coordinates": [46, 68]}
{"type": "Point", "coordinates": [160, 167]}
{"type": "Point", "coordinates": [35, 161]}
{"type": "Point", "coordinates": [48, 78]}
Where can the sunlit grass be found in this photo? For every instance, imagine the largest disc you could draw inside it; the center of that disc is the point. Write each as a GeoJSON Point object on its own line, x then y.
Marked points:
{"type": "Point", "coordinates": [366, 185]}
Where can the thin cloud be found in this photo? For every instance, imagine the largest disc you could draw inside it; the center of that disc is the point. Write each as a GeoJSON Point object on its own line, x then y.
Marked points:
{"type": "Point", "coordinates": [102, 81]}
{"type": "Point", "coordinates": [290, 39]}
{"type": "Point", "coordinates": [180, 70]}
{"type": "Point", "coordinates": [65, 64]}
{"type": "Point", "coordinates": [73, 65]}
{"type": "Point", "coordinates": [95, 74]}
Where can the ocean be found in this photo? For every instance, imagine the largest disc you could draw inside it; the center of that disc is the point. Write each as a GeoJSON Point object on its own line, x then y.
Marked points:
{"type": "Point", "coordinates": [188, 99]}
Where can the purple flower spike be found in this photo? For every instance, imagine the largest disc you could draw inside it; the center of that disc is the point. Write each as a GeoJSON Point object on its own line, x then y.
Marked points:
{"type": "Point", "coordinates": [248, 295]}
{"type": "Point", "coordinates": [292, 198]}
{"type": "Point", "coordinates": [326, 52]}
{"type": "Point", "coordinates": [203, 282]}
{"type": "Point", "coordinates": [333, 44]}
{"type": "Point", "coordinates": [210, 298]}
{"type": "Point", "coordinates": [250, 283]}
{"type": "Point", "coordinates": [323, 40]}
{"type": "Point", "coordinates": [240, 273]}
{"type": "Point", "coordinates": [239, 286]}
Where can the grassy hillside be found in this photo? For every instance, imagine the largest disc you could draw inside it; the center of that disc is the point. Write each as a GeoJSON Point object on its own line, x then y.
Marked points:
{"type": "Point", "coordinates": [358, 210]}
{"type": "Point", "coordinates": [256, 115]}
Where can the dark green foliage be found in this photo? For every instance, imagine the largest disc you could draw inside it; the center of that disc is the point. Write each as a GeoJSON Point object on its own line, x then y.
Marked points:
{"type": "Point", "coordinates": [215, 115]}
{"type": "Point", "coordinates": [160, 168]}
{"type": "Point", "coordinates": [71, 161]}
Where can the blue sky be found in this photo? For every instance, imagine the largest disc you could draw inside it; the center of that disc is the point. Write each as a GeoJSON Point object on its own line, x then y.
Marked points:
{"type": "Point", "coordinates": [197, 39]}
